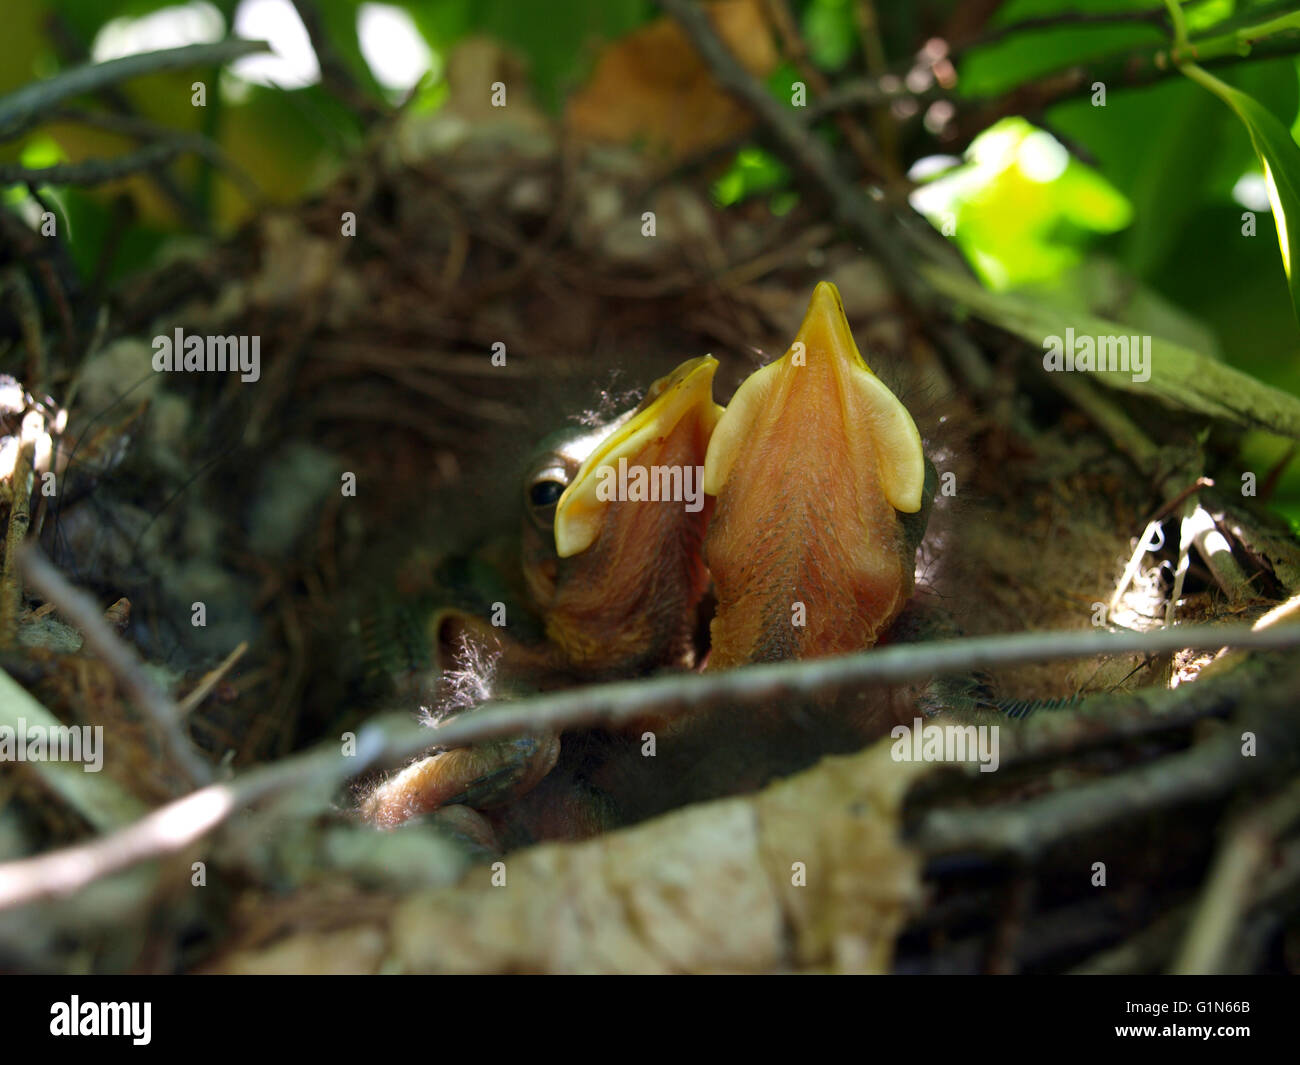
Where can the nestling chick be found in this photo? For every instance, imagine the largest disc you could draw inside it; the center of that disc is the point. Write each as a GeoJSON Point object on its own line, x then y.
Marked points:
{"type": "Point", "coordinates": [823, 493]}
{"type": "Point", "coordinates": [822, 501]}
{"type": "Point", "coordinates": [617, 583]}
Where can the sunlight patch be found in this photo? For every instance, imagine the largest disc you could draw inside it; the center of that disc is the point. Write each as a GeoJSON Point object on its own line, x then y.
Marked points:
{"type": "Point", "coordinates": [393, 48]}
{"type": "Point", "coordinates": [1251, 191]}
{"type": "Point", "coordinates": [293, 62]}
{"type": "Point", "coordinates": [1021, 209]}
{"type": "Point", "coordinates": [171, 27]}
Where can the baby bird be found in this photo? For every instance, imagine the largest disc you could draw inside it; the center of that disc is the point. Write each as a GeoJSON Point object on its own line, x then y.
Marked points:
{"type": "Point", "coordinates": [615, 579]}
{"type": "Point", "coordinates": [822, 496]}
{"type": "Point", "coordinates": [822, 501]}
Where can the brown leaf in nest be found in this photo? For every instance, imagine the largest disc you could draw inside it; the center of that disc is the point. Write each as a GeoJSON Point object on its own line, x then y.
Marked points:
{"type": "Point", "coordinates": [709, 888]}
{"type": "Point", "coordinates": [652, 88]}
{"type": "Point", "coordinates": [346, 953]}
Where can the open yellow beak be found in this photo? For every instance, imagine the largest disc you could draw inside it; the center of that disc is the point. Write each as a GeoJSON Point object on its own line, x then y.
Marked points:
{"type": "Point", "coordinates": [812, 463]}
{"type": "Point", "coordinates": [823, 374]}
{"type": "Point", "coordinates": [682, 399]}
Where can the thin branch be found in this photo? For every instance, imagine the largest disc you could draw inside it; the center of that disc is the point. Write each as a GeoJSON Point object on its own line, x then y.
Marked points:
{"type": "Point", "coordinates": [1024, 830]}
{"type": "Point", "coordinates": [873, 54]}
{"type": "Point", "coordinates": [11, 588]}
{"type": "Point", "coordinates": [628, 701]}
{"type": "Point", "coordinates": [72, 51]}
{"type": "Point", "coordinates": [1233, 884]}
{"type": "Point", "coordinates": [897, 247]}
{"type": "Point", "coordinates": [334, 73]}
{"type": "Point", "coordinates": [23, 300]}
{"type": "Point", "coordinates": [164, 831]}
{"type": "Point", "coordinates": [802, 150]}
{"type": "Point", "coordinates": [144, 130]}
{"type": "Point", "coordinates": [28, 105]}
{"type": "Point", "coordinates": [796, 49]}
{"type": "Point", "coordinates": [866, 93]}
{"type": "Point", "coordinates": [1134, 70]}
{"type": "Point", "coordinates": [1145, 952]}
{"type": "Point", "coordinates": [98, 171]}
{"type": "Point", "coordinates": [58, 295]}
{"type": "Point", "coordinates": [1210, 771]}
{"type": "Point", "coordinates": [1155, 17]}
{"type": "Point", "coordinates": [393, 738]}
{"type": "Point", "coordinates": [1129, 70]}
{"type": "Point", "coordinates": [210, 681]}
{"type": "Point", "coordinates": [83, 614]}
{"type": "Point", "coordinates": [95, 796]}
{"type": "Point", "coordinates": [179, 824]}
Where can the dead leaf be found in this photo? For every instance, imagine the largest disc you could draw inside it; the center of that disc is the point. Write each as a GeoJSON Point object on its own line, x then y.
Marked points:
{"type": "Point", "coordinates": [651, 88]}
{"type": "Point", "coordinates": [708, 888]}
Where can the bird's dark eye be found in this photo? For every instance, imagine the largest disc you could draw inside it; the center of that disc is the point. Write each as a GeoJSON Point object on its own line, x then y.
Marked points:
{"type": "Point", "coordinates": [545, 493]}
{"type": "Point", "coordinates": [543, 487]}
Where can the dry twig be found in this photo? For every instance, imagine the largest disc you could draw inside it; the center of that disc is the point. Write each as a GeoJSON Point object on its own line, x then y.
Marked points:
{"type": "Point", "coordinates": [393, 737]}
{"type": "Point", "coordinates": [85, 615]}
{"type": "Point", "coordinates": [22, 109]}
{"type": "Point", "coordinates": [1232, 885]}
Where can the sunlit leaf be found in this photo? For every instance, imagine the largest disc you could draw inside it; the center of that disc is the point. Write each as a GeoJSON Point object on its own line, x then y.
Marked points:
{"type": "Point", "coordinates": [1180, 377]}
{"type": "Point", "coordinates": [829, 30]}
{"type": "Point", "coordinates": [1021, 209]}
{"type": "Point", "coordinates": [1280, 157]}
{"type": "Point", "coordinates": [753, 171]}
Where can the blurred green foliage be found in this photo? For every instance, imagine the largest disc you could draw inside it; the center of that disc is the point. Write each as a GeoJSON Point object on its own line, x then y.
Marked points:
{"type": "Point", "coordinates": [1021, 208]}
{"type": "Point", "coordinates": [830, 29]}
{"type": "Point", "coordinates": [560, 40]}
{"type": "Point", "coordinates": [1150, 184]}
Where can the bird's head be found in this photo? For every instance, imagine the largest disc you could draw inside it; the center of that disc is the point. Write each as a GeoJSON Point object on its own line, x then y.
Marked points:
{"type": "Point", "coordinates": [614, 524]}
{"type": "Point", "coordinates": [822, 489]}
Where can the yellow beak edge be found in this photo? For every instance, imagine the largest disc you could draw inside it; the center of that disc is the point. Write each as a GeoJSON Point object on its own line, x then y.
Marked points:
{"type": "Point", "coordinates": [687, 392]}
{"type": "Point", "coordinates": [867, 405]}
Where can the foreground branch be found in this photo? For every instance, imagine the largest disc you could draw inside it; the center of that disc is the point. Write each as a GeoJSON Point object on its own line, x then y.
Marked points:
{"type": "Point", "coordinates": [800, 148]}
{"type": "Point", "coordinates": [91, 172]}
{"type": "Point", "coordinates": [394, 737]}
{"type": "Point", "coordinates": [22, 109]}
{"type": "Point", "coordinates": [84, 615]}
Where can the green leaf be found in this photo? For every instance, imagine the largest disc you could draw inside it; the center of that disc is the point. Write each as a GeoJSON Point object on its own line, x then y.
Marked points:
{"type": "Point", "coordinates": [1180, 377]}
{"type": "Point", "coordinates": [830, 33]}
{"type": "Point", "coordinates": [1278, 154]}
{"type": "Point", "coordinates": [753, 171]}
{"type": "Point", "coordinates": [998, 67]}
{"type": "Point", "coordinates": [1020, 208]}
